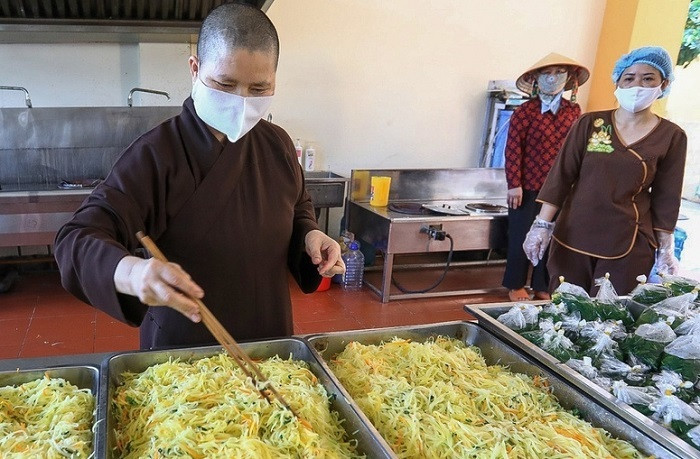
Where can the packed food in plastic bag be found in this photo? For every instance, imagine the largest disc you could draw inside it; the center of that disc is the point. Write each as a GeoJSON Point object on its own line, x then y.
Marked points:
{"type": "Point", "coordinates": [640, 398]}
{"type": "Point", "coordinates": [679, 285]}
{"type": "Point", "coordinates": [584, 366]}
{"type": "Point", "coordinates": [673, 383]}
{"type": "Point", "coordinates": [648, 294]}
{"type": "Point", "coordinates": [672, 310]}
{"type": "Point", "coordinates": [647, 343]}
{"type": "Point", "coordinates": [674, 413]}
{"type": "Point", "coordinates": [635, 375]}
{"type": "Point", "coordinates": [682, 355]}
{"type": "Point", "coordinates": [553, 311]}
{"type": "Point", "coordinates": [522, 316]}
{"type": "Point", "coordinates": [552, 340]}
{"type": "Point", "coordinates": [690, 326]}
{"type": "Point", "coordinates": [596, 341]}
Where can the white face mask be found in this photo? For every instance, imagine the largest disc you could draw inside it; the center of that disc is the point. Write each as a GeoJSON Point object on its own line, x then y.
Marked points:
{"type": "Point", "coordinates": [637, 98]}
{"type": "Point", "coordinates": [228, 113]}
{"type": "Point", "coordinates": [552, 84]}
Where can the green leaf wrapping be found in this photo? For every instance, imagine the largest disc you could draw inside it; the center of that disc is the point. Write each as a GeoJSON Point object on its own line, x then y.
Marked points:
{"type": "Point", "coordinates": [614, 311]}
{"type": "Point", "coordinates": [646, 351]}
{"type": "Point", "coordinates": [650, 316]}
{"type": "Point", "coordinates": [585, 306]}
{"type": "Point", "coordinates": [651, 295]}
{"type": "Point", "coordinates": [689, 369]}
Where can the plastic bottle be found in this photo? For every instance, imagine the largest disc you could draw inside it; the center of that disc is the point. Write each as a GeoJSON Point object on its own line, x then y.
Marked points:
{"type": "Point", "coordinates": [299, 149]}
{"type": "Point", "coordinates": [309, 158]}
{"type": "Point", "coordinates": [354, 267]}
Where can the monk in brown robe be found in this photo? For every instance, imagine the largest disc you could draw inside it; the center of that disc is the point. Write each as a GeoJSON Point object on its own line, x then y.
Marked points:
{"type": "Point", "coordinates": [221, 193]}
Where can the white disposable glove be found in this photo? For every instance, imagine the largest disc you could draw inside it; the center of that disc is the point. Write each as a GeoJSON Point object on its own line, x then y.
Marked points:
{"type": "Point", "coordinates": [537, 240]}
{"type": "Point", "coordinates": [666, 261]}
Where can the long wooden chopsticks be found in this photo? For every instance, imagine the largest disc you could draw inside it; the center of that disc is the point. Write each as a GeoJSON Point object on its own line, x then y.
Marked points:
{"type": "Point", "coordinates": [224, 338]}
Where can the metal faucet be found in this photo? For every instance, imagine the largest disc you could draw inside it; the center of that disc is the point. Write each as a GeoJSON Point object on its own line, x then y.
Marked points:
{"type": "Point", "coordinates": [152, 91]}
{"type": "Point", "coordinates": [27, 100]}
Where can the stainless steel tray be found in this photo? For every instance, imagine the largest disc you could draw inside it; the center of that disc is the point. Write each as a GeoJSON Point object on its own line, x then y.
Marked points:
{"type": "Point", "coordinates": [81, 376]}
{"type": "Point", "coordinates": [494, 351]}
{"type": "Point", "coordinates": [367, 442]}
{"type": "Point", "coordinates": [486, 314]}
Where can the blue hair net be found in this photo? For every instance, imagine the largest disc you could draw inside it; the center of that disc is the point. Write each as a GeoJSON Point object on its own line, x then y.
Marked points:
{"type": "Point", "coordinates": [655, 56]}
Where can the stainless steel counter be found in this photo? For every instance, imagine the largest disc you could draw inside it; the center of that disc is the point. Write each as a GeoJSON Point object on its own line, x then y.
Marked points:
{"type": "Point", "coordinates": [395, 233]}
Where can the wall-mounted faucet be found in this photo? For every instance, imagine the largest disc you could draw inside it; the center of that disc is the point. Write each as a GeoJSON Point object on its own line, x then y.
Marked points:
{"type": "Point", "coordinates": [152, 91]}
{"type": "Point", "coordinates": [27, 100]}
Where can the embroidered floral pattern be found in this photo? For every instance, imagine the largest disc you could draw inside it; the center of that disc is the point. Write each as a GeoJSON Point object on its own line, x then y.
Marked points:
{"type": "Point", "coordinates": [599, 141]}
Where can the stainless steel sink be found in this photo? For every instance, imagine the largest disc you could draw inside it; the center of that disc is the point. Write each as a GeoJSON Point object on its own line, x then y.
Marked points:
{"type": "Point", "coordinates": [327, 189]}
{"type": "Point", "coordinates": [324, 176]}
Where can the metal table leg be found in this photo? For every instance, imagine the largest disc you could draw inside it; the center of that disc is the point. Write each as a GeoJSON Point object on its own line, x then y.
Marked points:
{"type": "Point", "coordinates": [386, 277]}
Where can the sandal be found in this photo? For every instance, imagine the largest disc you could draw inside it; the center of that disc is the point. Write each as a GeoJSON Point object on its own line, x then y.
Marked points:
{"type": "Point", "coordinates": [543, 296]}
{"type": "Point", "coordinates": [519, 294]}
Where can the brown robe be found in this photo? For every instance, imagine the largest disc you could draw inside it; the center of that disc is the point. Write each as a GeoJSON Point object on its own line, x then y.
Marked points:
{"type": "Point", "coordinates": [609, 192]}
{"type": "Point", "coordinates": [234, 216]}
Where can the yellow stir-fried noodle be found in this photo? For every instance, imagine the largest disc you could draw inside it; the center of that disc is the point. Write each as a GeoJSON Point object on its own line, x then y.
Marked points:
{"type": "Point", "coordinates": [47, 418]}
{"type": "Point", "coordinates": [207, 409]}
{"type": "Point", "coordinates": [439, 399]}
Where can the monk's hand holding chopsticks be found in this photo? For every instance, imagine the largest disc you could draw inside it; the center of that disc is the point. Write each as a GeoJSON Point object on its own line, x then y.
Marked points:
{"type": "Point", "coordinates": [158, 283]}
{"type": "Point", "coordinates": [249, 368]}
{"type": "Point", "coordinates": [325, 253]}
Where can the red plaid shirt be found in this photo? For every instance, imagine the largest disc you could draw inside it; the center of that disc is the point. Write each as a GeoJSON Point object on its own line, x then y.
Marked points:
{"type": "Point", "coordinates": [534, 140]}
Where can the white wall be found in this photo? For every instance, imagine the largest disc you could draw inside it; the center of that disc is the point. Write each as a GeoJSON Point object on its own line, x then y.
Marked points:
{"type": "Point", "coordinates": [401, 83]}
{"type": "Point", "coordinates": [93, 74]}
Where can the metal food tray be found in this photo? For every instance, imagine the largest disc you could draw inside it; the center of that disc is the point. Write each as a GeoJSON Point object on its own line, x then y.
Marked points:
{"type": "Point", "coordinates": [81, 376]}
{"type": "Point", "coordinates": [494, 351]}
{"type": "Point", "coordinates": [486, 314]}
{"type": "Point", "coordinates": [367, 442]}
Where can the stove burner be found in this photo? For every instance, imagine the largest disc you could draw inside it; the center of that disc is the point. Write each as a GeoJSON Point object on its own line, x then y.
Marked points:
{"type": "Point", "coordinates": [410, 208]}
{"type": "Point", "coordinates": [484, 207]}
{"type": "Point", "coordinates": [446, 209]}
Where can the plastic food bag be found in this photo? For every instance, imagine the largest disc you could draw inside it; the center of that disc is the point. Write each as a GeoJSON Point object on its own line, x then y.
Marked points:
{"type": "Point", "coordinates": [609, 306]}
{"type": "Point", "coordinates": [572, 325]}
{"type": "Point", "coordinates": [683, 356]}
{"type": "Point", "coordinates": [690, 326]}
{"type": "Point", "coordinates": [640, 398]}
{"type": "Point", "coordinates": [597, 342]}
{"type": "Point", "coordinates": [677, 284]}
{"type": "Point", "coordinates": [521, 316]}
{"type": "Point", "coordinates": [672, 382]}
{"type": "Point", "coordinates": [632, 374]}
{"type": "Point", "coordinates": [648, 294]}
{"type": "Point", "coordinates": [614, 310]}
{"type": "Point", "coordinates": [648, 342]}
{"type": "Point", "coordinates": [674, 413]}
{"type": "Point", "coordinates": [554, 311]}
{"type": "Point", "coordinates": [606, 291]}
{"type": "Point", "coordinates": [673, 310]}
{"type": "Point", "coordinates": [553, 341]}
{"type": "Point", "coordinates": [584, 366]}
{"type": "Point", "coordinates": [694, 436]}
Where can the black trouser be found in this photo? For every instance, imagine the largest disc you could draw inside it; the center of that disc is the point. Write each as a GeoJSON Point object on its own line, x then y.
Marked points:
{"type": "Point", "coordinates": [517, 264]}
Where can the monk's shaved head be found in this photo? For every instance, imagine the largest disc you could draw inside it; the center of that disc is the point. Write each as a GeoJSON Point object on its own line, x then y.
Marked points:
{"type": "Point", "coordinates": [234, 26]}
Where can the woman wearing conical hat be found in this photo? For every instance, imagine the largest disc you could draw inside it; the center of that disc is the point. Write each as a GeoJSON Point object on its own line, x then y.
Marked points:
{"type": "Point", "coordinates": [616, 185]}
{"type": "Point", "coordinates": [537, 130]}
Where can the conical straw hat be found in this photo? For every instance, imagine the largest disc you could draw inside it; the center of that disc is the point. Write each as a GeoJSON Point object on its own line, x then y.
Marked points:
{"type": "Point", "coordinates": [525, 81]}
